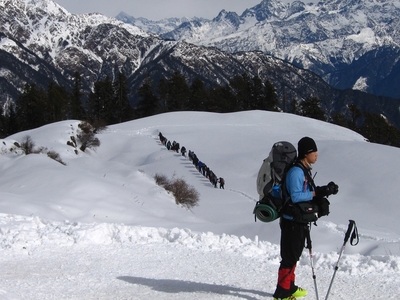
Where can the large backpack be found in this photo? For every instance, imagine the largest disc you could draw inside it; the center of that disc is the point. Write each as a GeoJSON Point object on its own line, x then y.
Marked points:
{"type": "Point", "coordinates": [271, 181]}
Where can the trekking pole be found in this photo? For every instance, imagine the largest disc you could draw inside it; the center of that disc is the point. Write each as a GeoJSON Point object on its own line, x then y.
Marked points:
{"type": "Point", "coordinates": [351, 230]}
{"type": "Point", "coordinates": [309, 247]}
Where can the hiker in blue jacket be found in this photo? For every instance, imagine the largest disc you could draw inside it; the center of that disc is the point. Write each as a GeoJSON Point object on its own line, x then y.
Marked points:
{"type": "Point", "coordinates": [301, 188]}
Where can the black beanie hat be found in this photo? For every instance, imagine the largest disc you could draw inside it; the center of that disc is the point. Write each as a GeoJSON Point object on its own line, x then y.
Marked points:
{"type": "Point", "coordinates": [306, 145]}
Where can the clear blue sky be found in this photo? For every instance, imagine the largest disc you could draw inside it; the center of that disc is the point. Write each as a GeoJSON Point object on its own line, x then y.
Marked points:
{"type": "Point", "coordinates": [158, 9]}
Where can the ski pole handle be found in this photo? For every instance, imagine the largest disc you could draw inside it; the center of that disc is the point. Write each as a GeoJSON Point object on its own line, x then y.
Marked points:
{"type": "Point", "coordinates": [349, 230]}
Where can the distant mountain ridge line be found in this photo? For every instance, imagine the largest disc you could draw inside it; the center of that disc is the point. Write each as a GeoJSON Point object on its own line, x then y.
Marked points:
{"type": "Point", "coordinates": [96, 47]}
{"type": "Point", "coordinates": [334, 39]}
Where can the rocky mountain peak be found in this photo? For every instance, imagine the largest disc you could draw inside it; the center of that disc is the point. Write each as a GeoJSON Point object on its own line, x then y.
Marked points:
{"type": "Point", "coordinates": [328, 38]}
{"type": "Point", "coordinates": [43, 43]}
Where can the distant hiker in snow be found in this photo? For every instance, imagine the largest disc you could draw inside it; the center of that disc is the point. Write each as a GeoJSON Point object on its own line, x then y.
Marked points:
{"type": "Point", "coordinates": [208, 172]}
{"type": "Point", "coordinates": [200, 166]}
{"type": "Point", "coordinates": [163, 139]}
{"type": "Point", "coordinates": [183, 151]}
{"type": "Point", "coordinates": [213, 179]}
{"type": "Point", "coordinates": [195, 160]}
{"type": "Point", "coordinates": [175, 147]}
{"type": "Point", "coordinates": [204, 169]}
{"type": "Point", "coordinates": [221, 183]}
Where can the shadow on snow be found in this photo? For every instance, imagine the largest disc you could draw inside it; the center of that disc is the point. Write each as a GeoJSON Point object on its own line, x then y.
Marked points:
{"type": "Point", "coordinates": [181, 286]}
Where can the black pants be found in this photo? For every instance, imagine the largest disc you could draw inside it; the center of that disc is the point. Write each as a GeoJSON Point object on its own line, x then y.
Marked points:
{"type": "Point", "coordinates": [293, 237]}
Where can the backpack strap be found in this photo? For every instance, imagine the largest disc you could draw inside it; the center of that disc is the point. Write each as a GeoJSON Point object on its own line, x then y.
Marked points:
{"type": "Point", "coordinates": [307, 174]}
{"type": "Point", "coordinates": [310, 181]}
{"type": "Point", "coordinates": [285, 195]}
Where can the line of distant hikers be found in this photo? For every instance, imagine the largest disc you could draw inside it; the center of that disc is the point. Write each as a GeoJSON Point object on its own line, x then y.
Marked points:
{"type": "Point", "coordinates": [200, 166]}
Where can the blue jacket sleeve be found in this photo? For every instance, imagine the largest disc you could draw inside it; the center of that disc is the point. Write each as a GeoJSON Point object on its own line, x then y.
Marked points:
{"type": "Point", "coordinates": [297, 186]}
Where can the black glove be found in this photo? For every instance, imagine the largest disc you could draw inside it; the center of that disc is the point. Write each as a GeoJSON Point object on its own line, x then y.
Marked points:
{"type": "Point", "coordinates": [326, 190]}
{"type": "Point", "coordinates": [333, 188]}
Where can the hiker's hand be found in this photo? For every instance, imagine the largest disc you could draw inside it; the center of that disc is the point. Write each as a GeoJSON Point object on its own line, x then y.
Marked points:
{"type": "Point", "coordinates": [321, 191]}
{"type": "Point", "coordinates": [333, 188]}
{"type": "Point", "coordinates": [326, 190]}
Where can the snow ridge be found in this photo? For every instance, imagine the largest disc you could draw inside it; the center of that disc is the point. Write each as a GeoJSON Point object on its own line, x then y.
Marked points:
{"type": "Point", "coordinates": [20, 233]}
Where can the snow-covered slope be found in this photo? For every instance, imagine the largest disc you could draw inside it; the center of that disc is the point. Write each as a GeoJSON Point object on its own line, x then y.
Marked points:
{"type": "Point", "coordinates": [100, 228]}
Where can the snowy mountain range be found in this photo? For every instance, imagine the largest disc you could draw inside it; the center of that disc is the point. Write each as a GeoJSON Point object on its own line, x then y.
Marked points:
{"type": "Point", "coordinates": [351, 44]}
{"type": "Point", "coordinates": [41, 42]}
